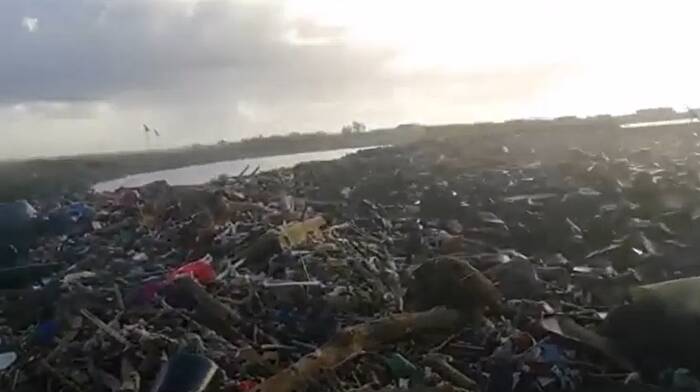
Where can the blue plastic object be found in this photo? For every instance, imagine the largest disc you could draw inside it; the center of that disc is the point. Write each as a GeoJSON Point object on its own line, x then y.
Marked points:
{"type": "Point", "coordinates": [71, 219]}
{"type": "Point", "coordinates": [45, 332]}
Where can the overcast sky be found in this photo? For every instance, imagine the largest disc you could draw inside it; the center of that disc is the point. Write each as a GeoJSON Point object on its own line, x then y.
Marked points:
{"type": "Point", "coordinates": [83, 75]}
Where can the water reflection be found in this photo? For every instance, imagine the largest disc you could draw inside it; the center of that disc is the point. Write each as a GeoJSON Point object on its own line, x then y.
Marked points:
{"type": "Point", "coordinates": [200, 174]}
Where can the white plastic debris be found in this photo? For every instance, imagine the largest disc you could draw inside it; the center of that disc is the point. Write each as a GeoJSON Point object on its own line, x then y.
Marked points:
{"type": "Point", "coordinates": [7, 359]}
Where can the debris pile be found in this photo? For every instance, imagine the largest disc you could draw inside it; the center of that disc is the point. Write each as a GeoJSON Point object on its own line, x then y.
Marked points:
{"type": "Point", "coordinates": [420, 268]}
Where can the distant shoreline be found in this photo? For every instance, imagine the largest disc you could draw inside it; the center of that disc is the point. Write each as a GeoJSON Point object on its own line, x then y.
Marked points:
{"type": "Point", "coordinates": [48, 177]}
{"type": "Point", "coordinates": [200, 174]}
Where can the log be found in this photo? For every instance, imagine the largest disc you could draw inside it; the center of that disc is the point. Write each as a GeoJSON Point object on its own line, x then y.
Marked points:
{"type": "Point", "coordinates": [356, 339]}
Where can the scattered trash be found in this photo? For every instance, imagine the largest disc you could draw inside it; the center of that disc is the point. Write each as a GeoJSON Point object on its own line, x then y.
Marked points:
{"type": "Point", "coordinates": [486, 265]}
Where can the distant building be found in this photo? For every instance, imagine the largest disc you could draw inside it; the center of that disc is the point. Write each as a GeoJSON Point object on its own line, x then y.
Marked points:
{"type": "Point", "coordinates": [567, 120]}
{"type": "Point", "coordinates": [656, 112]}
{"type": "Point", "coordinates": [412, 127]}
{"type": "Point", "coordinates": [649, 115]}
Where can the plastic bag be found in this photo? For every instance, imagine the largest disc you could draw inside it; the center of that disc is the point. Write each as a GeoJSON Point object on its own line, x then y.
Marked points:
{"type": "Point", "coordinates": [297, 233]}
{"type": "Point", "coordinates": [201, 270]}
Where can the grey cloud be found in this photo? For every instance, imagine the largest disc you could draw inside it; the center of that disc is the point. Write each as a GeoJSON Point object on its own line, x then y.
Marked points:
{"type": "Point", "coordinates": [94, 49]}
{"type": "Point", "coordinates": [102, 49]}
{"type": "Point", "coordinates": [60, 110]}
{"type": "Point", "coordinates": [206, 70]}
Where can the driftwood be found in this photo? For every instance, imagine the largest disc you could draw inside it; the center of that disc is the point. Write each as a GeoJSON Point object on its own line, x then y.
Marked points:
{"type": "Point", "coordinates": [208, 310]}
{"type": "Point", "coordinates": [356, 339]}
{"type": "Point", "coordinates": [448, 372]}
{"type": "Point", "coordinates": [108, 329]}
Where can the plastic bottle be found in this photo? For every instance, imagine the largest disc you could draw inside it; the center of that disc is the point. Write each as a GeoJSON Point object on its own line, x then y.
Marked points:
{"type": "Point", "coordinates": [186, 372]}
